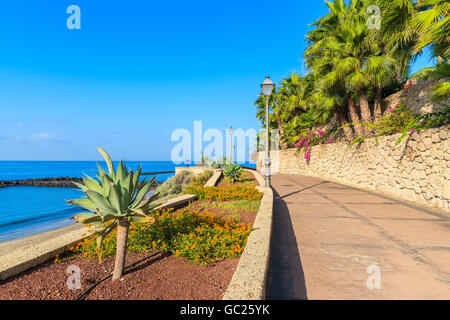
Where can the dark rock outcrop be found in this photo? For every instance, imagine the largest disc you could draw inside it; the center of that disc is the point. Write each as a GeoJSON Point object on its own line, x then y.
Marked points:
{"type": "Point", "coordinates": [43, 182]}
{"type": "Point", "coordinates": [66, 182]}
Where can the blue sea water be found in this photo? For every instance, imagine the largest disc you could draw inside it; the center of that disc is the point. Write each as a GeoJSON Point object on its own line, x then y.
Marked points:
{"type": "Point", "coordinates": [27, 210]}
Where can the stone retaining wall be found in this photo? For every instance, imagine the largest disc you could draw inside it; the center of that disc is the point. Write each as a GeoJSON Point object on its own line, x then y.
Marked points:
{"type": "Point", "coordinates": [418, 169]}
{"type": "Point", "coordinates": [250, 277]}
{"type": "Point", "coordinates": [194, 170]}
{"type": "Point", "coordinates": [416, 98]}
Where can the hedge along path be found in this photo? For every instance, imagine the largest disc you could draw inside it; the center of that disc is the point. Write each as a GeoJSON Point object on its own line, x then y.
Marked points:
{"type": "Point", "coordinates": [249, 279]}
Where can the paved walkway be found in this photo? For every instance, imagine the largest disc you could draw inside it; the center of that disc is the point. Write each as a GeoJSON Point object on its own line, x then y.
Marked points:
{"type": "Point", "coordinates": [326, 236]}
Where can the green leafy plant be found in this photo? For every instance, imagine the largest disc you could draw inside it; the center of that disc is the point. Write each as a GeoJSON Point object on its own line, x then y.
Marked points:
{"type": "Point", "coordinates": [216, 165]}
{"type": "Point", "coordinates": [395, 120]}
{"type": "Point", "coordinates": [201, 178]}
{"type": "Point", "coordinates": [113, 201]}
{"type": "Point", "coordinates": [173, 185]}
{"type": "Point", "coordinates": [426, 121]}
{"type": "Point", "coordinates": [400, 120]}
{"type": "Point", "coordinates": [232, 171]}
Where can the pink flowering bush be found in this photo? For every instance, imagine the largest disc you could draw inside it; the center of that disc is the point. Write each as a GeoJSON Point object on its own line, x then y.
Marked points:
{"type": "Point", "coordinates": [392, 110]}
{"type": "Point", "coordinates": [307, 141]}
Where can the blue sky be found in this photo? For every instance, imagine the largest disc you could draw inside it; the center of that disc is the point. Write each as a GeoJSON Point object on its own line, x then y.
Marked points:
{"type": "Point", "coordinates": [137, 70]}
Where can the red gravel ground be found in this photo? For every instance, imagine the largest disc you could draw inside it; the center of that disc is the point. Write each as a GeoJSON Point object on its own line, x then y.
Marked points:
{"type": "Point", "coordinates": [161, 277]}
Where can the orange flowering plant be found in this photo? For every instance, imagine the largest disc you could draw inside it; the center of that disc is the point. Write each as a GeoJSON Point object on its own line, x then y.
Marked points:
{"type": "Point", "coordinates": [200, 236]}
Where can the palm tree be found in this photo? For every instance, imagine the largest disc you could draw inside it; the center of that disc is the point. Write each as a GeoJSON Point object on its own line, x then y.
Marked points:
{"type": "Point", "coordinates": [321, 56]}
{"type": "Point", "coordinates": [358, 58]}
{"type": "Point", "coordinates": [113, 201]}
{"type": "Point", "coordinates": [276, 111]}
{"type": "Point", "coordinates": [286, 104]}
{"type": "Point", "coordinates": [432, 20]}
{"type": "Point", "coordinates": [416, 25]}
{"type": "Point", "coordinates": [398, 39]}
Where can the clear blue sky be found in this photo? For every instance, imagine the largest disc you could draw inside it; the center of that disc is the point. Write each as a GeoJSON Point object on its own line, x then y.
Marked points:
{"type": "Point", "coordinates": [137, 70]}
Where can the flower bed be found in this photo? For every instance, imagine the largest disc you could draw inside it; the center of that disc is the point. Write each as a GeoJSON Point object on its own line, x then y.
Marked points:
{"type": "Point", "coordinates": [201, 237]}
{"type": "Point", "coordinates": [199, 244]}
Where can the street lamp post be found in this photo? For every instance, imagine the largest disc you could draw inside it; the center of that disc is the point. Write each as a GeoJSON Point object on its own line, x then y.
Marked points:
{"type": "Point", "coordinates": [267, 88]}
{"type": "Point", "coordinates": [231, 145]}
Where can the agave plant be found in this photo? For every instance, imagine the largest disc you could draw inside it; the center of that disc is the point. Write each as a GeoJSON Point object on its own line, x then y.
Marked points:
{"type": "Point", "coordinates": [114, 200]}
{"type": "Point", "coordinates": [232, 171]}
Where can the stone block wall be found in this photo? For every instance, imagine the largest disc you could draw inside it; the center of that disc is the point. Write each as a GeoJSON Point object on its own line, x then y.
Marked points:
{"type": "Point", "coordinates": [418, 169]}
{"type": "Point", "coordinates": [416, 97]}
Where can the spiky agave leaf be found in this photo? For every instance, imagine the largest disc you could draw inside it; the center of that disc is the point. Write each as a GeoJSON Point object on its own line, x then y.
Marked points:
{"type": "Point", "coordinates": [115, 198]}
{"type": "Point", "coordinates": [92, 184]}
{"type": "Point", "coordinates": [92, 218]}
{"type": "Point", "coordinates": [84, 203]}
{"type": "Point", "coordinates": [144, 188]}
{"type": "Point", "coordinates": [100, 202]}
{"type": "Point", "coordinates": [81, 186]}
{"type": "Point", "coordinates": [103, 233]}
{"type": "Point", "coordinates": [112, 172]}
{"type": "Point", "coordinates": [101, 172]}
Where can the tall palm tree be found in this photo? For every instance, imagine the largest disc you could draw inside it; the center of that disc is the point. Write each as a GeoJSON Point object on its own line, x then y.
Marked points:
{"type": "Point", "coordinates": [398, 39]}
{"type": "Point", "coordinates": [321, 56]}
{"type": "Point", "coordinates": [432, 21]}
{"type": "Point", "coordinates": [358, 58]}
{"type": "Point", "coordinates": [416, 25]}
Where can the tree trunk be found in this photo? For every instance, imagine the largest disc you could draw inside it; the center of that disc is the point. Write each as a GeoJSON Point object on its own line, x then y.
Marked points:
{"type": "Point", "coordinates": [121, 249]}
{"type": "Point", "coordinates": [355, 118]}
{"type": "Point", "coordinates": [377, 109]}
{"type": "Point", "coordinates": [366, 115]}
{"type": "Point", "coordinates": [399, 74]}
{"type": "Point", "coordinates": [364, 105]}
{"type": "Point", "coordinates": [341, 118]}
{"type": "Point", "coordinates": [284, 144]}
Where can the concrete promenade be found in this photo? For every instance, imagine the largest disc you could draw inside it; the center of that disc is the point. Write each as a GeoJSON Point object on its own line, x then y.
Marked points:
{"type": "Point", "coordinates": [330, 240]}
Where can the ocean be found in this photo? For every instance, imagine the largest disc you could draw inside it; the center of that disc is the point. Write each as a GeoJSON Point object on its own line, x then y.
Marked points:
{"type": "Point", "coordinates": [26, 210]}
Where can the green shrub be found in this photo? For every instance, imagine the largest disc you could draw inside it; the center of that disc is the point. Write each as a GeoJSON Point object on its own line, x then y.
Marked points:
{"type": "Point", "coordinates": [216, 165]}
{"type": "Point", "coordinates": [174, 185]}
{"type": "Point", "coordinates": [426, 121]}
{"type": "Point", "coordinates": [395, 120]}
{"type": "Point", "coordinates": [232, 171]}
{"type": "Point", "coordinates": [202, 178]}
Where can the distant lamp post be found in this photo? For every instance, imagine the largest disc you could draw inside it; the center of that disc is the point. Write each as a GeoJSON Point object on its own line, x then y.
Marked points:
{"type": "Point", "coordinates": [231, 145]}
{"type": "Point", "coordinates": [267, 88]}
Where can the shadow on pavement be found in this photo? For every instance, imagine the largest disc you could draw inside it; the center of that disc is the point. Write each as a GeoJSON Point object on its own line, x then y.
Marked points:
{"type": "Point", "coordinates": [286, 280]}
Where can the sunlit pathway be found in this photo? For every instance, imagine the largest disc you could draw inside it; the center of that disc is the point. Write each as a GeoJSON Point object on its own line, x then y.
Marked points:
{"type": "Point", "coordinates": [326, 235]}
